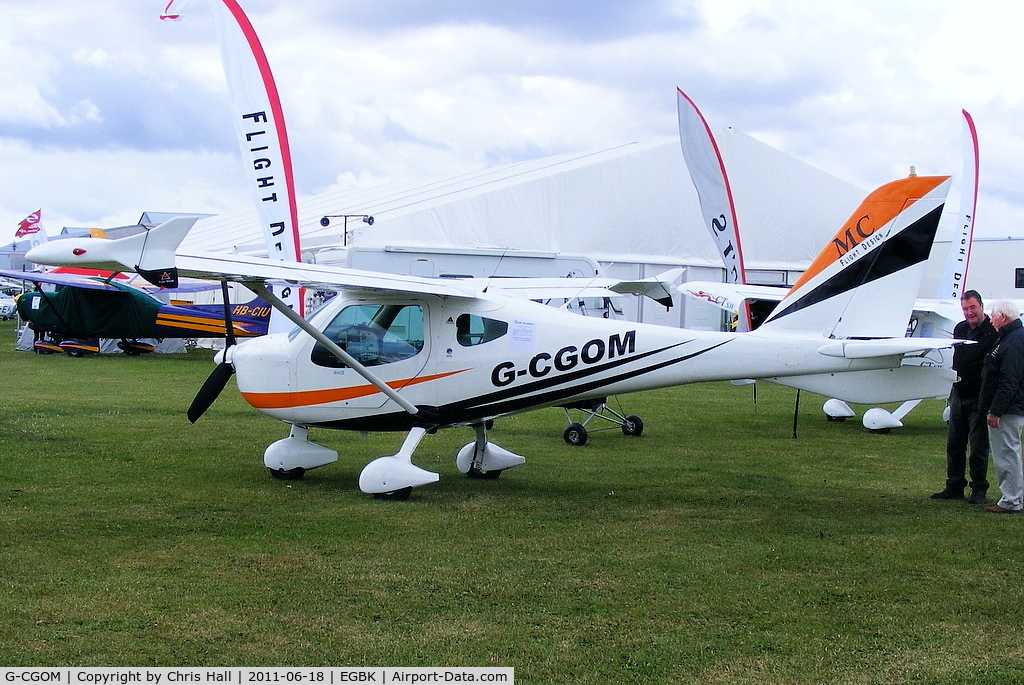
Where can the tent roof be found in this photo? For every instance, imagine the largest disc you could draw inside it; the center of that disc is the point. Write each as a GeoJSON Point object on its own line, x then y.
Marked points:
{"type": "Point", "coordinates": [633, 202]}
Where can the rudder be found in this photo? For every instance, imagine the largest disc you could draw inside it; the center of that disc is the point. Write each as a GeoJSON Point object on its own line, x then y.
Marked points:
{"type": "Point", "coordinates": [864, 282]}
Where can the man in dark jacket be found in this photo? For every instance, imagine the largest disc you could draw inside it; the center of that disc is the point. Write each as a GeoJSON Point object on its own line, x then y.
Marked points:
{"type": "Point", "coordinates": [1002, 398]}
{"type": "Point", "coordinates": [966, 420]}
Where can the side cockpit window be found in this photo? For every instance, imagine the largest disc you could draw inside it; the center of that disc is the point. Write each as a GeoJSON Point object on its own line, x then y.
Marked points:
{"type": "Point", "coordinates": [373, 334]}
{"type": "Point", "coordinates": [476, 330]}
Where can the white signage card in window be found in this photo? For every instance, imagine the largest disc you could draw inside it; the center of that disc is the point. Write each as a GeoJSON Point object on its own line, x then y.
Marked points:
{"type": "Point", "coordinates": [522, 336]}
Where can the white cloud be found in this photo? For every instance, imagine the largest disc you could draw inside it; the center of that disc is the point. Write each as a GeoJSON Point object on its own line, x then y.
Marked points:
{"type": "Point", "coordinates": [108, 112]}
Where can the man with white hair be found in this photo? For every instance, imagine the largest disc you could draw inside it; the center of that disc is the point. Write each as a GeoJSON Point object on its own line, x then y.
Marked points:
{"type": "Point", "coordinates": [1002, 398]}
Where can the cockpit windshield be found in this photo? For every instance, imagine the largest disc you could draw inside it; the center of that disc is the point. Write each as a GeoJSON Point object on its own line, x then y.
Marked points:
{"type": "Point", "coordinates": [374, 334]}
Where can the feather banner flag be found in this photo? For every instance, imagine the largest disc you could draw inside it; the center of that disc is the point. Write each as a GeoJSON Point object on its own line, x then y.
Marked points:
{"type": "Point", "coordinates": [260, 130]}
{"type": "Point", "coordinates": [174, 8]}
{"type": "Point", "coordinates": [707, 170]}
{"type": "Point", "coordinates": [954, 274]}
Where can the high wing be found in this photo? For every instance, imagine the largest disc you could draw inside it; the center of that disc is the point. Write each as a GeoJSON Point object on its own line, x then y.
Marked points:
{"type": "Point", "coordinates": [316, 276]}
{"type": "Point", "coordinates": [947, 309]}
{"type": "Point", "coordinates": [658, 288]}
{"type": "Point", "coordinates": [62, 279]}
{"type": "Point", "coordinates": [92, 303]}
{"type": "Point", "coordinates": [93, 279]}
{"type": "Point", "coordinates": [164, 239]}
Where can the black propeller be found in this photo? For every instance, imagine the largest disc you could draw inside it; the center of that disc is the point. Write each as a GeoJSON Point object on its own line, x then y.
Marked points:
{"type": "Point", "coordinates": [221, 373]}
{"type": "Point", "coordinates": [210, 391]}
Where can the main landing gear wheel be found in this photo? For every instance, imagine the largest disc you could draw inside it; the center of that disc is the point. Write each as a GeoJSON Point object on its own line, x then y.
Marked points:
{"type": "Point", "coordinates": [395, 495]}
{"type": "Point", "coordinates": [632, 425]}
{"type": "Point", "coordinates": [575, 434]}
{"type": "Point", "coordinates": [288, 474]}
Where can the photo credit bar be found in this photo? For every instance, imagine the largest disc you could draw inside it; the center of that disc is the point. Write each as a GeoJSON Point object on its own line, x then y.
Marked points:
{"type": "Point", "coordinates": [255, 676]}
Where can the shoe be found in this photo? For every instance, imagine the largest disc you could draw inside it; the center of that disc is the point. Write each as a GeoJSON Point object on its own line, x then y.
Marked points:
{"type": "Point", "coordinates": [977, 497]}
{"type": "Point", "coordinates": [996, 509]}
{"type": "Point", "coordinates": [948, 494]}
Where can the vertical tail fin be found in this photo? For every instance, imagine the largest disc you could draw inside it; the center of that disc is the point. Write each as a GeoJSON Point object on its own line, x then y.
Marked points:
{"type": "Point", "coordinates": [864, 283]}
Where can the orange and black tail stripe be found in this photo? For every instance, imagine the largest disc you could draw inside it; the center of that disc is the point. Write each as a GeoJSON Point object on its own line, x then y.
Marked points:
{"type": "Point", "coordinates": [912, 245]}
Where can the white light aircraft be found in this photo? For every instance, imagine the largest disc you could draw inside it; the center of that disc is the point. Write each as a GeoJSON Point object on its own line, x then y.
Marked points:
{"type": "Point", "coordinates": [397, 353]}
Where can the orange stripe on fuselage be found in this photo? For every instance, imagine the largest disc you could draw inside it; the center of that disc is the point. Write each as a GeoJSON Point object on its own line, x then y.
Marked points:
{"type": "Point", "coordinates": [878, 208]}
{"type": "Point", "coordinates": [286, 400]}
{"type": "Point", "coordinates": [202, 327]}
{"type": "Point", "coordinates": [199, 325]}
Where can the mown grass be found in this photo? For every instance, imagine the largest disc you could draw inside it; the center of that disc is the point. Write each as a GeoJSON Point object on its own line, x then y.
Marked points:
{"type": "Point", "coordinates": [714, 548]}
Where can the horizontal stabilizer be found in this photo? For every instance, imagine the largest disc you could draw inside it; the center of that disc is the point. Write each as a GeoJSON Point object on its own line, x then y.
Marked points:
{"type": "Point", "coordinates": [885, 347]}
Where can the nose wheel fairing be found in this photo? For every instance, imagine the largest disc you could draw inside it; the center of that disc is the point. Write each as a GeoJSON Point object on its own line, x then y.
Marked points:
{"type": "Point", "coordinates": [291, 457]}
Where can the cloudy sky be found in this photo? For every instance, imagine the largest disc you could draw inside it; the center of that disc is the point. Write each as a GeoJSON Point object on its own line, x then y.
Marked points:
{"type": "Point", "coordinates": [106, 112]}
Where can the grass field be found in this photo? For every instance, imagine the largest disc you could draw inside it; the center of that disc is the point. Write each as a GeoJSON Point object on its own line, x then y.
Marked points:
{"type": "Point", "coordinates": [714, 548]}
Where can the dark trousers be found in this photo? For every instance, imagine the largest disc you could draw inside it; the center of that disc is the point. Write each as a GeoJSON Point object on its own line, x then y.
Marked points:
{"type": "Point", "coordinates": [966, 427]}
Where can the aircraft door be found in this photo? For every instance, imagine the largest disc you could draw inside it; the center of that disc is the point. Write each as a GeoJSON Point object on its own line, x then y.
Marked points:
{"type": "Point", "coordinates": [390, 339]}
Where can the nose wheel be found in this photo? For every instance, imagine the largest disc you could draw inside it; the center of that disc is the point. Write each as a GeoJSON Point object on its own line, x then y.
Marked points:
{"type": "Point", "coordinates": [400, 495]}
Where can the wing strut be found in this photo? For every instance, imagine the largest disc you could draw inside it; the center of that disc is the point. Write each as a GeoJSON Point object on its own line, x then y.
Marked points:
{"type": "Point", "coordinates": [260, 288]}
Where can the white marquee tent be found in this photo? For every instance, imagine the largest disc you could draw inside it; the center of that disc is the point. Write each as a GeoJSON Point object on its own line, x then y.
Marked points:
{"type": "Point", "coordinates": [632, 209]}
{"type": "Point", "coordinates": [630, 203]}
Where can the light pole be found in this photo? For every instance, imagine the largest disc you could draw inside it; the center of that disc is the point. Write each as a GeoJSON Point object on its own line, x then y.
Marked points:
{"type": "Point", "coordinates": [326, 221]}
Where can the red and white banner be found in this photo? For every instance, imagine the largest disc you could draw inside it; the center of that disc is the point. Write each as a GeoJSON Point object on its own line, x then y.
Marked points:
{"type": "Point", "coordinates": [707, 170]}
{"type": "Point", "coordinates": [260, 129]}
{"type": "Point", "coordinates": [954, 275]}
{"type": "Point", "coordinates": [174, 8]}
{"type": "Point", "coordinates": [30, 224]}
{"type": "Point", "coordinates": [32, 228]}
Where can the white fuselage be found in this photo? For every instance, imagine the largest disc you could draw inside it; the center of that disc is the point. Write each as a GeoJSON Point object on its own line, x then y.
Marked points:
{"type": "Point", "coordinates": [477, 359]}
